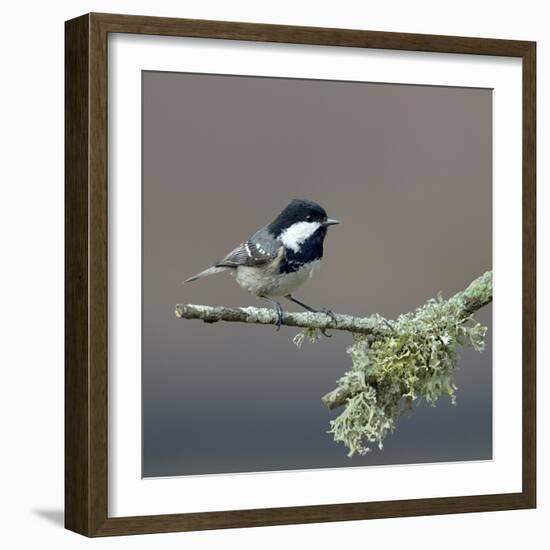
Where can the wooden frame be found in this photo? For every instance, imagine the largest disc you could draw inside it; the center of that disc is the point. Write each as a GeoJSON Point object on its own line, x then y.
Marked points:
{"type": "Point", "coordinates": [86, 274]}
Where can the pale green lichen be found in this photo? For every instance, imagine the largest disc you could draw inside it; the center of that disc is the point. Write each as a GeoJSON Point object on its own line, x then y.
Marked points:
{"type": "Point", "coordinates": [416, 361]}
{"type": "Point", "coordinates": [257, 315]}
{"type": "Point", "coordinates": [311, 334]}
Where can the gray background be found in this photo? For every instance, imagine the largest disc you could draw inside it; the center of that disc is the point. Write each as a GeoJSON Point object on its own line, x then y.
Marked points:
{"type": "Point", "coordinates": [407, 169]}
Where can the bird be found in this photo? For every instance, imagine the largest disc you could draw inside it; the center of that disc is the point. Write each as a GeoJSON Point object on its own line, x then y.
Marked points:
{"type": "Point", "coordinates": [280, 257]}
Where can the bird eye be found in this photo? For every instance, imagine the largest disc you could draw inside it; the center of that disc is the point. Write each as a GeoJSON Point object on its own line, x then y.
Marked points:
{"type": "Point", "coordinates": [309, 218]}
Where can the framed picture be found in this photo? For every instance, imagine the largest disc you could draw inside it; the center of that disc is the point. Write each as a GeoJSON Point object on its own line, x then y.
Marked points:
{"type": "Point", "coordinates": [340, 207]}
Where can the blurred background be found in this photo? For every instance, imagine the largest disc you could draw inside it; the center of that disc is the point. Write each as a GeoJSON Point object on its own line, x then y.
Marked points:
{"type": "Point", "coordinates": [407, 169]}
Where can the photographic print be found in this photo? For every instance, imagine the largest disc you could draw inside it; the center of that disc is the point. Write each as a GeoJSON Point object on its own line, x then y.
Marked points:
{"type": "Point", "coordinates": [370, 339]}
{"type": "Point", "coordinates": [280, 247]}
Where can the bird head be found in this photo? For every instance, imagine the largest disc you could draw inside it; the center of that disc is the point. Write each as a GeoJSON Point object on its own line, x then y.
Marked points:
{"type": "Point", "coordinates": [300, 220]}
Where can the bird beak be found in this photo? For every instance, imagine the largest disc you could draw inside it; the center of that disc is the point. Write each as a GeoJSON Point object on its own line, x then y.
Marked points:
{"type": "Point", "coordinates": [330, 221]}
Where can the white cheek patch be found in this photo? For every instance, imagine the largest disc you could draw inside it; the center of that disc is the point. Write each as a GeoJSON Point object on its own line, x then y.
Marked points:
{"type": "Point", "coordinates": [297, 233]}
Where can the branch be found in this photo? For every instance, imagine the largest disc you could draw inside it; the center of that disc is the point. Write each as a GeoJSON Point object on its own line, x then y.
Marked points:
{"type": "Point", "coordinates": [374, 325]}
{"type": "Point", "coordinates": [478, 294]}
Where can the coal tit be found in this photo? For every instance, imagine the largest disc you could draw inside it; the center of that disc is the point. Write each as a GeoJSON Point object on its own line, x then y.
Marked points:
{"type": "Point", "coordinates": [281, 256]}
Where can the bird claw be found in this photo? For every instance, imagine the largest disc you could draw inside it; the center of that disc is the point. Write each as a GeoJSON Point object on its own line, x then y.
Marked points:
{"type": "Point", "coordinates": [329, 312]}
{"type": "Point", "coordinates": [324, 310]}
{"type": "Point", "coordinates": [279, 311]}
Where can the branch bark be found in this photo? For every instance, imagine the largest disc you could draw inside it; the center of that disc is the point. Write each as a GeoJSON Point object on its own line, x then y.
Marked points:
{"type": "Point", "coordinates": [374, 325]}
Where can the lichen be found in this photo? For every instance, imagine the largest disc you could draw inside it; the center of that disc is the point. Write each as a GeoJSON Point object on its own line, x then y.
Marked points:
{"type": "Point", "coordinates": [311, 334]}
{"type": "Point", "coordinates": [257, 315]}
{"type": "Point", "coordinates": [415, 361]}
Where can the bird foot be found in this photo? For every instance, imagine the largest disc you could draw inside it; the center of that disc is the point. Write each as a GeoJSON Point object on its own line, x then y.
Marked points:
{"type": "Point", "coordinates": [278, 310]}
{"type": "Point", "coordinates": [280, 313]}
{"type": "Point", "coordinates": [329, 312]}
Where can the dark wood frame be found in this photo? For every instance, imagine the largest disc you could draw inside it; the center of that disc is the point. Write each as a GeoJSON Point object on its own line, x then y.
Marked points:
{"type": "Point", "coordinates": [86, 274]}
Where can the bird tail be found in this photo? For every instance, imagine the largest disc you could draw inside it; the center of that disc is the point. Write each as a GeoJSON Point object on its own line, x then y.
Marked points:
{"type": "Point", "coordinates": [210, 271]}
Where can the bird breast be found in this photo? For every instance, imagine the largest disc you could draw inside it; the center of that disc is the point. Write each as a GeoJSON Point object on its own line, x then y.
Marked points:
{"type": "Point", "coordinates": [268, 281]}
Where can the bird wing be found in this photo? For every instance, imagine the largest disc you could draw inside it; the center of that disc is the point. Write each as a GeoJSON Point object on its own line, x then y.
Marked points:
{"type": "Point", "coordinates": [259, 250]}
{"type": "Point", "coordinates": [252, 253]}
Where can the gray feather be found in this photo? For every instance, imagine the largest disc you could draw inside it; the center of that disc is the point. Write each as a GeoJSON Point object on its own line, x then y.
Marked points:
{"type": "Point", "coordinates": [261, 249]}
{"type": "Point", "coordinates": [210, 271]}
